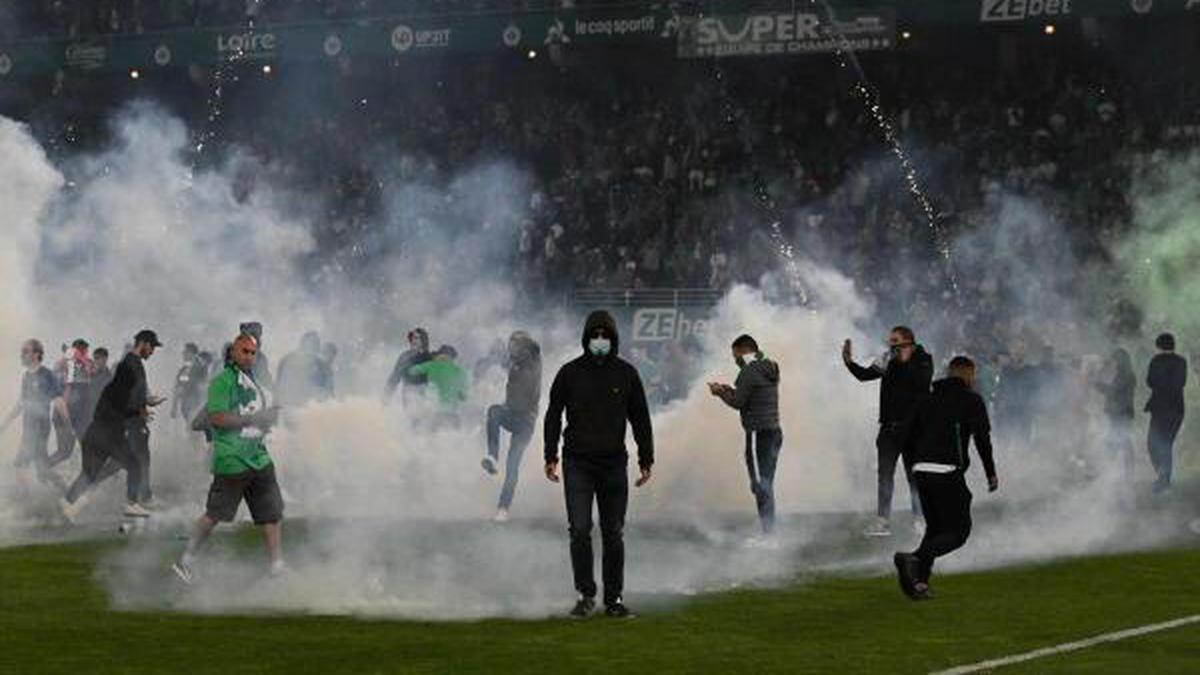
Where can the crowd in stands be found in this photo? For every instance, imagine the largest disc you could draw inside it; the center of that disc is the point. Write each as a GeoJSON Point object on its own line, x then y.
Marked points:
{"type": "Point", "coordinates": [654, 172]}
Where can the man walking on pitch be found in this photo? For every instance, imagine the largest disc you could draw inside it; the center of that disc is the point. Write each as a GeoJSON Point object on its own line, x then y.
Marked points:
{"type": "Point", "coordinates": [600, 393]}
{"type": "Point", "coordinates": [755, 394]}
{"type": "Point", "coordinates": [518, 414]}
{"type": "Point", "coordinates": [241, 416]}
{"type": "Point", "coordinates": [1166, 379]}
{"type": "Point", "coordinates": [906, 370]}
{"type": "Point", "coordinates": [124, 406]}
{"type": "Point", "coordinates": [41, 394]}
{"type": "Point", "coordinates": [936, 445]}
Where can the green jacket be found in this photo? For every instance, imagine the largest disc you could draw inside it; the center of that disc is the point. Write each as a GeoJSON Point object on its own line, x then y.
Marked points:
{"type": "Point", "coordinates": [447, 377]}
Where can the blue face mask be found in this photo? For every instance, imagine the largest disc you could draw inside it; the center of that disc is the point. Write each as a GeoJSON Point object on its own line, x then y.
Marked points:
{"type": "Point", "coordinates": [599, 346]}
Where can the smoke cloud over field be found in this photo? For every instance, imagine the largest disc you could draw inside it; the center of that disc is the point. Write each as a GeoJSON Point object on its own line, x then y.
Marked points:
{"type": "Point", "coordinates": [395, 512]}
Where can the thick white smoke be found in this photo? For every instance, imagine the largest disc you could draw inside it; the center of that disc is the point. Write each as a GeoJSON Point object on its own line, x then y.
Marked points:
{"type": "Point", "coordinates": [394, 514]}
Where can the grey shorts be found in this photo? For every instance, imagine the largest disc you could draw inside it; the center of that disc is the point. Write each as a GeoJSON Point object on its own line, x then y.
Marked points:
{"type": "Point", "coordinates": [258, 488]}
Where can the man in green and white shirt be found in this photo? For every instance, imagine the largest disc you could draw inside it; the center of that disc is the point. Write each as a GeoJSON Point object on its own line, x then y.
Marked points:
{"type": "Point", "coordinates": [240, 413]}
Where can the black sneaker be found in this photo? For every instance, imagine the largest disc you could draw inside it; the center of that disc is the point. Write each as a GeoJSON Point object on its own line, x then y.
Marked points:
{"type": "Point", "coordinates": [583, 607]}
{"type": "Point", "coordinates": [907, 571]}
{"type": "Point", "coordinates": [618, 610]}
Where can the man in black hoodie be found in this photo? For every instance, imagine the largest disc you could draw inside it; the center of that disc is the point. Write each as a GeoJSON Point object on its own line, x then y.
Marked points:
{"type": "Point", "coordinates": [599, 392]}
{"type": "Point", "coordinates": [936, 447]}
{"type": "Point", "coordinates": [1166, 377]}
{"type": "Point", "coordinates": [906, 369]}
{"type": "Point", "coordinates": [755, 394]}
{"type": "Point", "coordinates": [518, 414]}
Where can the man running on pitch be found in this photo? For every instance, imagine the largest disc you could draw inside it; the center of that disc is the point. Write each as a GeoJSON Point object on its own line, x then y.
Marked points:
{"type": "Point", "coordinates": [936, 447]}
{"type": "Point", "coordinates": [241, 416]}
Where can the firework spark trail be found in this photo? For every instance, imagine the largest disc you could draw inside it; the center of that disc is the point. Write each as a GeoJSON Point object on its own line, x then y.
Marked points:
{"type": "Point", "coordinates": [783, 248]}
{"type": "Point", "coordinates": [848, 58]}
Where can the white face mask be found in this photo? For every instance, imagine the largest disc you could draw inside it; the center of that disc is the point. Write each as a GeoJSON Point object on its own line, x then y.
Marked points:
{"type": "Point", "coordinates": [599, 346]}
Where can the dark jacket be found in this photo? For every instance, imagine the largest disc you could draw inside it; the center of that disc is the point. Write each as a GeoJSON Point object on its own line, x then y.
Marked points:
{"type": "Point", "coordinates": [756, 395]}
{"type": "Point", "coordinates": [1118, 395]}
{"type": "Point", "coordinates": [400, 372]}
{"type": "Point", "coordinates": [124, 396]}
{"type": "Point", "coordinates": [599, 395]}
{"type": "Point", "coordinates": [523, 392]}
{"type": "Point", "coordinates": [1166, 378]}
{"type": "Point", "coordinates": [904, 384]}
{"type": "Point", "coordinates": [943, 425]}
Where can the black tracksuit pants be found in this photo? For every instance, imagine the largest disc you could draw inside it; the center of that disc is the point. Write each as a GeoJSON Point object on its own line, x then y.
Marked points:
{"type": "Point", "coordinates": [946, 501]}
{"type": "Point", "coordinates": [607, 485]}
{"type": "Point", "coordinates": [762, 456]}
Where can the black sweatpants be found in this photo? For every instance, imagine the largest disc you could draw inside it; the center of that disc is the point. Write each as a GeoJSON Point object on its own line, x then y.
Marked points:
{"type": "Point", "coordinates": [889, 444]}
{"type": "Point", "coordinates": [585, 482]}
{"type": "Point", "coordinates": [1164, 427]}
{"type": "Point", "coordinates": [104, 449]}
{"type": "Point", "coordinates": [947, 503]}
{"type": "Point", "coordinates": [762, 456]}
{"type": "Point", "coordinates": [138, 435]}
{"type": "Point", "coordinates": [521, 426]}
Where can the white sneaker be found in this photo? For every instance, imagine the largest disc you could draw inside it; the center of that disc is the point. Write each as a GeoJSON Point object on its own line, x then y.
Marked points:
{"type": "Point", "coordinates": [489, 464]}
{"type": "Point", "coordinates": [135, 510]}
{"type": "Point", "coordinates": [501, 516]}
{"type": "Point", "coordinates": [278, 569]}
{"type": "Point", "coordinates": [761, 542]}
{"type": "Point", "coordinates": [879, 527]}
{"type": "Point", "coordinates": [68, 511]}
{"type": "Point", "coordinates": [182, 571]}
{"type": "Point", "coordinates": [919, 526]}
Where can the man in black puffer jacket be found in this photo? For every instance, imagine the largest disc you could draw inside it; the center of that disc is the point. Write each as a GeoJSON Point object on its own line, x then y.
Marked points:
{"type": "Point", "coordinates": [936, 448]}
{"type": "Point", "coordinates": [599, 392]}
{"type": "Point", "coordinates": [906, 370]}
{"type": "Point", "coordinates": [518, 414]}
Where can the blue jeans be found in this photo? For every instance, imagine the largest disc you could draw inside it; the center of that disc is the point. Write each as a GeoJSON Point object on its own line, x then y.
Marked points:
{"type": "Point", "coordinates": [521, 427]}
{"type": "Point", "coordinates": [1164, 427]}
{"type": "Point", "coordinates": [762, 456]}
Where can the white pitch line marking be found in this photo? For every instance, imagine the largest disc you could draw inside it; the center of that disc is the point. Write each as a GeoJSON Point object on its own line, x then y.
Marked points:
{"type": "Point", "coordinates": [1070, 646]}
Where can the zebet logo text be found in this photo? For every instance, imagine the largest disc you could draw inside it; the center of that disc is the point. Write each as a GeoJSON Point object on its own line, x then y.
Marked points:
{"type": "Point", "coordinates": [1019, 10]}
{"type": "Point", "coordinates": [665, 324]}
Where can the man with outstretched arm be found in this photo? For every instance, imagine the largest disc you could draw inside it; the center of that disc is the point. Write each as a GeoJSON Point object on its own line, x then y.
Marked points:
{"type": "Point", "coordinates": [600, 393]}
{"type": "Point", "coordinates": [240, 413]}
{"type": "Point", "coordinates": [906, 370]}
{"type": "Point", "coordinates": [936, 446]}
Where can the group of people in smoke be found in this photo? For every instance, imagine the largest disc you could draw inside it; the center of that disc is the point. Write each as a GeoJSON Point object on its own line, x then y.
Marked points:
{"type": "Point", "coordinates": [926, 426]}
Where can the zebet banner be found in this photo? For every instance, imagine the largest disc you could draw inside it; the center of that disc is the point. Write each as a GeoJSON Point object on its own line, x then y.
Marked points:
{"type": "Point", "coordinates": [777, 33]}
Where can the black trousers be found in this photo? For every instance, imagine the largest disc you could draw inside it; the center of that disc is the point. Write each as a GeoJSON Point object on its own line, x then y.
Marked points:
{"type": "Point", "coordinates": [889, 445]}
{"type": "Point", "coordinates": [105, 450]}
{"type": "Point", "coordinates": [521, 426]}
{"type": "Point", "coordinates": [607, 485]}
{"type": "Point", "coordinates": [947, 503]}
{"type": "Point", "coordinates": [762, 456]}
{"type": "Point", "coordinates": [138, 435]}
{"type": "Point", "coordinates": [1164, 427]}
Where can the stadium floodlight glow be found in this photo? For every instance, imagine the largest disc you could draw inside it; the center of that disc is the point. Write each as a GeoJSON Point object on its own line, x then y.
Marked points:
{"type": "Point", "coordinates": [134, 74]}
{"type": "Point", "coordinates": [532, 54]}
{"type": "Point", "coordinates": [1049, 29]}
{"type": "Point", "coordinates": [906, 35]}
{"type": "Point", "coordinates": [266, 69]}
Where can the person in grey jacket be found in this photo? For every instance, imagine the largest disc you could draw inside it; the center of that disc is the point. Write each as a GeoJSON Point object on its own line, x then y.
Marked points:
{"type": "Point", "coordinates": [518, 414]}
{"type": "Point", "coordinates": [755, 395]}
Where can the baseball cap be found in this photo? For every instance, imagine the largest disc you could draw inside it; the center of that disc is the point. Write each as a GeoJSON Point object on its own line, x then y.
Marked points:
{"type": "Point", "coordinates": [147, 335]}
